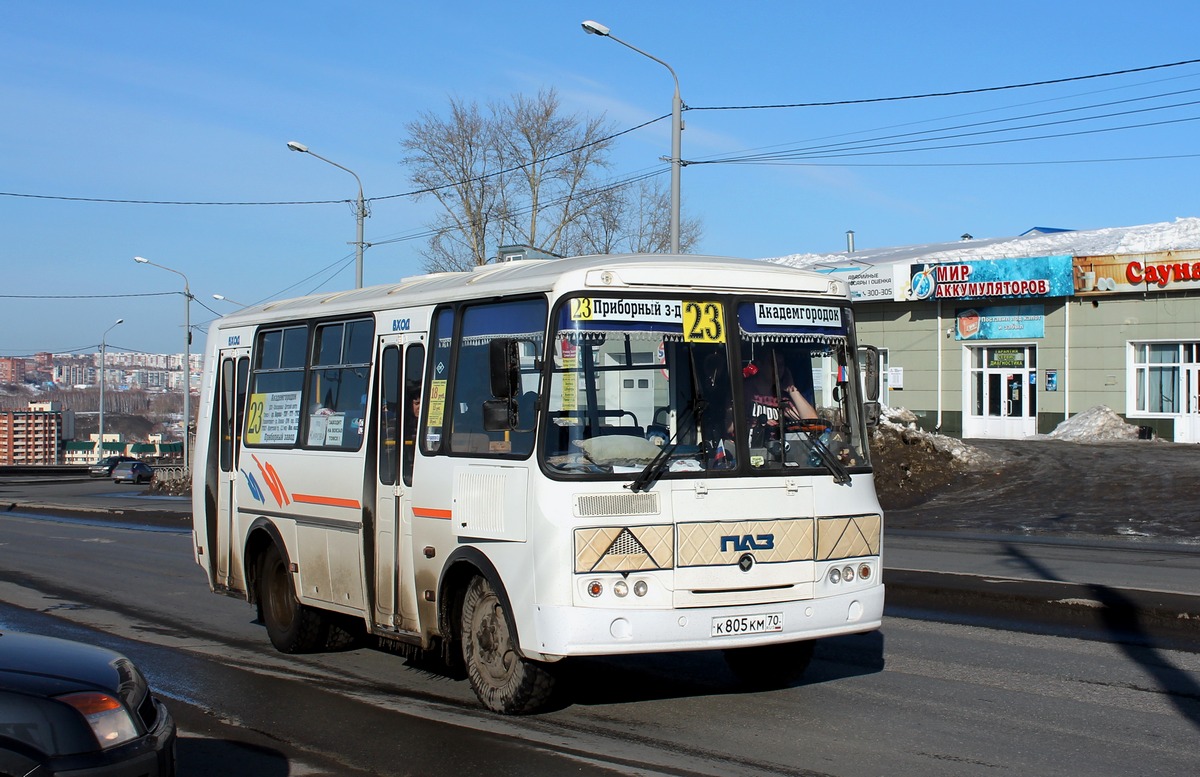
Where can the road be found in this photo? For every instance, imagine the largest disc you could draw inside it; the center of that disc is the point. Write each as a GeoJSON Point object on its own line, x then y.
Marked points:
{"type": "Point", "coordinates": [920, 697]}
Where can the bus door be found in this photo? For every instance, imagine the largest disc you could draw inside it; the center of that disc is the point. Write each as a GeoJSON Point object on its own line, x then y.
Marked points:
{"type": "Point", "coordinates": [402, 362]}
{"type": "Point", "coordinates": [232, 379]}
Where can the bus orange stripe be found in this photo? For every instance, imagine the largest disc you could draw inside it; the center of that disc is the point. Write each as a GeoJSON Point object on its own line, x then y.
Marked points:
{"type": "Point", "coordinates": [328, 501]}
{"type": "Point", "coordinates": [429, 512]}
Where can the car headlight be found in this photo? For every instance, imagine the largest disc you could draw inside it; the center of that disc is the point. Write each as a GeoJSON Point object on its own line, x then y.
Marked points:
{"type": "Point", "coordinates": [106, 715]}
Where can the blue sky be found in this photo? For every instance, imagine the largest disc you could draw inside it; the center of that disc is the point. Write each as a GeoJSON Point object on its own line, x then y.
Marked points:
{"type": "Point", "coordinates": [195, 102]}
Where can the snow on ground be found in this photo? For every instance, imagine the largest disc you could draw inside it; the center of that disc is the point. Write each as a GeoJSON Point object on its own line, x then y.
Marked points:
{"type": "Point", "coordinates": [1096, 424]}
{"type": "Point", "coordinates": [1183, 234]}
{"type": "Point", "coordinates": [902, 422]}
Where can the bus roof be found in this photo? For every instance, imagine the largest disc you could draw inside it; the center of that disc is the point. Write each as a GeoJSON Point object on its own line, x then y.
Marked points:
{"type": "Point", "coordinates": [605, 272]}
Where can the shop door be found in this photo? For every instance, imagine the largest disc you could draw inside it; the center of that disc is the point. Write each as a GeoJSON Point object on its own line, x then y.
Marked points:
{"type": "Point", "coordinates": [1003, 391]}
{"type": "Point", "coordinates": [1187, 428]}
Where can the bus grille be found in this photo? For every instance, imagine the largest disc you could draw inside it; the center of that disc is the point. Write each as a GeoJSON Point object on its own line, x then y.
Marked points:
{"type": "Point", "coordinates": [593, 505]}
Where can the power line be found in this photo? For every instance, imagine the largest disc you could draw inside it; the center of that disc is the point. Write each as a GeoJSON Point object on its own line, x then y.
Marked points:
{"type": "Point", "coordinates": [486, 175]}
{"type": "Point", "coordinates": [87, 296]}
{"type": "Point", "coordinates": [111, 201]}
{"type": "Point", "coordinates": [834, 149]}
{"type": "Point", "coordinates": [853, 152]}
{"type": "Point", "coordinates": [955, 93]}
{"type": "Point", "coordinates": [1028, 163]}
{"type": "Point", "coordinates": [860, 143]}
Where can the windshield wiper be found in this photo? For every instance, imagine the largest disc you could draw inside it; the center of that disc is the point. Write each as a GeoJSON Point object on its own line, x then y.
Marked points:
{"type": "Point", "coordinates": [841, 475]}
{"type": "Point", "coordinates": [695, 409]}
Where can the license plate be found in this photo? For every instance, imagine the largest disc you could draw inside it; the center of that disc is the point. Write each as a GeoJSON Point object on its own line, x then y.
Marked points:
{"type": "Point", "coordinates": [734, 625]}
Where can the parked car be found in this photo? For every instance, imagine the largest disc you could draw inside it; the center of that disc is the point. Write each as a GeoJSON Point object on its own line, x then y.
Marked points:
{"type": "Point", "coordinates": [67, 708]}
{"type": "Point", "coordinates": [104, 467]}
{"type": "Point", "coordinates": [132, 472]}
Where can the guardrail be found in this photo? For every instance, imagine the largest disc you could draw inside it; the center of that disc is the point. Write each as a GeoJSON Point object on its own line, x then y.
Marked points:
{"type": "Point", "coordinates": [170, 473]}
{"type": "Point", "coordinates": [167, 472]}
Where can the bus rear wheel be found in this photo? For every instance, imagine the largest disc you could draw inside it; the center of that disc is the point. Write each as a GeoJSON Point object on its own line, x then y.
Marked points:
{"type": "Point", "coordinates": [292, 627]}
{"type": "Point", "coordinates": [502, 679]}
{"type": "Point", "coordinates": [770, 666]}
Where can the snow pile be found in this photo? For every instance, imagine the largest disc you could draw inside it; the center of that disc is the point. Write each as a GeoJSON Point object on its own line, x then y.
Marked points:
{"type": "Point", "coordinates": [902, 423]}
{"type": "Point", "coordinates": [1180, 235]}
{"type": "Point", "coordinates": [1095, 424]}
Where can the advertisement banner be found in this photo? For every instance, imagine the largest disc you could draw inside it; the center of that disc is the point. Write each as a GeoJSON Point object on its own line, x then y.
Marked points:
{"type": "Point", "coordinates": [1040, 276]}
{"type": "Point", "coordinates": [1162, 271]}
{"type": "Point", "coordinates": [1000, 322]}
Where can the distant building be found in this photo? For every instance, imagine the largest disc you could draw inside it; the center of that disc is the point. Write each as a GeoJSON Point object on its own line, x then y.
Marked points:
{"type": "Point", "coordinates": [12, 369]}
{"type": "Point", "coordinates": [34, 436]}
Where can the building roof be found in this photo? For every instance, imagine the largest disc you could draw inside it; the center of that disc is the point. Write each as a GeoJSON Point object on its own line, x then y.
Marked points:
{"type": "Point", "coordinates": [1183, 234]}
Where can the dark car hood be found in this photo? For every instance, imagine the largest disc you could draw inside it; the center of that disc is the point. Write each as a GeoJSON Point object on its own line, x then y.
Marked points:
{"type": "Point", "coordinates": [58, 665]}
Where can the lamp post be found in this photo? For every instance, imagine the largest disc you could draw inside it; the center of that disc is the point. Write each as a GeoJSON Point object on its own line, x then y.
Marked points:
{"type": "Point", "coordinates": [187, 358]}
{"type": "Point", "coordinates": [360, 210]}
{"type": "Point", "coordinates": [596, 28]}
{"type": "Point", "coordinates": [103, 354]}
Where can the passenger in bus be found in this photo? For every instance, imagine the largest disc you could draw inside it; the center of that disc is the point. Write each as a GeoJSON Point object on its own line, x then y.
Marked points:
{"type": "Point", "coordinates": [763, 394]}
{"type": "Point", "coordinates": [412, 404]}
{"type": "Point", "coordinates": [716, 421]}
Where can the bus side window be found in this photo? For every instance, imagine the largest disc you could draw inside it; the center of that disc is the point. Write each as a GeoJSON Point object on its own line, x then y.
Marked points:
{"type": "Point", "coordinates": [523, 320]}
{"type": "Point", "coordinates": [389, 414]}
{"type": "Point", "coordinates": [337, 390]}
{"type": "Point", "coordinates": [414, 367]}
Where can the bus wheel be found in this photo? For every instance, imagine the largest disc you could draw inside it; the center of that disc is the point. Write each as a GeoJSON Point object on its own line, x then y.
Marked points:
{"type": "Point", "coordinates": [292, 627]}
{"type": "Point", "coordinates": [503, 680]}
{"type": "Point", "coordinates": [770, 666]}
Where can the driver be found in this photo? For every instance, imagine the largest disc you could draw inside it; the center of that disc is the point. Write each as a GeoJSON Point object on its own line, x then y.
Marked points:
{"type": "Point", "coordinates": [768, 381]}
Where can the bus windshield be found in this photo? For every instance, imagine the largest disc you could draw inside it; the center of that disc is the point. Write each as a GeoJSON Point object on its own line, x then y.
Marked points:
{"type": "Point", "coordinates": [700, 387]}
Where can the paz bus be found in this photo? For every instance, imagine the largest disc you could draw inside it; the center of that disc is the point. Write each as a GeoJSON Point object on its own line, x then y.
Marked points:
{"type": "Point", "coordinates": [540, 459]}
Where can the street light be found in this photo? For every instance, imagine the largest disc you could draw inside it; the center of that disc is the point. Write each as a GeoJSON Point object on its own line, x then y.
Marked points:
{"type": "Point", "coordinates": [360, 210]}
{"type": "Point", "coordinates": [596, 28]}
{"type": "Point", "coordinates": [223, 298]}
{"type": "Point", "coordinates": [187, 358]}
{"type": "Point", "coordinates": [103, 354]}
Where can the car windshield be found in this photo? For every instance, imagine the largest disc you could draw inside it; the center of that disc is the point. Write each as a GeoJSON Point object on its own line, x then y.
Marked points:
{"type": "Point", "coordinates": [700, 386]}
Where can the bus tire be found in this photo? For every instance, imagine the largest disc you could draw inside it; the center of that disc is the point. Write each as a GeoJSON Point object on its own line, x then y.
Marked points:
{"type": "Point", "coordinates": [292, 626]}
{"type": "Point", "coordinates": [502, 679]}
{"type": "Point", "coordinates": [770, 666]}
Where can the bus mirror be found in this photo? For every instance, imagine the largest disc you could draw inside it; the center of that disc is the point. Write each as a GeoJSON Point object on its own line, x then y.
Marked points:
{"type": "Point", "coordinates": [499, 415]}
{"type": "Point", "coordinates": [871, 412]}
{"type": "Point", "coordinates": [505, 356]}
{"type": "Point", "coordinates": [871, 378]}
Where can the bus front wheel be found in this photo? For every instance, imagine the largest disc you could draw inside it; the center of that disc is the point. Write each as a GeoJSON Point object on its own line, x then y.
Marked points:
{"type": "Point", "coordinates": [292, 627]}
{"type": "Point", "coordinates": [770, 666]}
{"type": "Point", "coordinates": [502, 679]}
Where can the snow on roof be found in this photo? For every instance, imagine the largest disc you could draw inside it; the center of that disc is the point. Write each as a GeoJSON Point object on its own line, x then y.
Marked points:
{"type": "Point", "coordinates": [1183, 234]}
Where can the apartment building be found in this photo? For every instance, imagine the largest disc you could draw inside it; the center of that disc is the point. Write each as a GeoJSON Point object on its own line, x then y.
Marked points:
{"type": "Point", "coordinates": [34, 436]}
{"type": "Point", "coordinates": [12, 369]}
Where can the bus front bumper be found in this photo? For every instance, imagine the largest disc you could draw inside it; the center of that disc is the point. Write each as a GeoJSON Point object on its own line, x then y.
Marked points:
{"type": "Point", "coordinates": [586, 631]}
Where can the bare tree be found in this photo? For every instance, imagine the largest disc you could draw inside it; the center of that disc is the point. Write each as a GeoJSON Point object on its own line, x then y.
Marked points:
{"type": "Point", "coordinates": [525, 173]}
{"type": "Point", "coordinates": [635, 219]}
{"type": "Point", "coordinates": [450, 158]}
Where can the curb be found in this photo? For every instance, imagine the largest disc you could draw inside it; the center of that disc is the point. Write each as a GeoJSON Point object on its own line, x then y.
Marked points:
{"type": "Point", "coordinates": [1090, 610]}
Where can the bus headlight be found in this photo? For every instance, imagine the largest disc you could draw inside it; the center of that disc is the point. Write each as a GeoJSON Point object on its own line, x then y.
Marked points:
{"type": "Point", "coordinates": [621, 588]}
{"type": "Point", "coordinates": [835, 575]}
{"type": "Point", "coordinates": [640, 588]}
{"type": "Point", "coordinates": [848, 574]}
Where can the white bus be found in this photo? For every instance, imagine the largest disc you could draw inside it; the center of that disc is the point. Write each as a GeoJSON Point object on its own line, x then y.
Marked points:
{"type": "Point", "coordinates": [591, 456]}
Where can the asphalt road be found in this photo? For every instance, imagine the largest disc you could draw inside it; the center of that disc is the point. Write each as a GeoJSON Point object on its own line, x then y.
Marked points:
{"type": "Point", "coordinates": [920, 697]}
